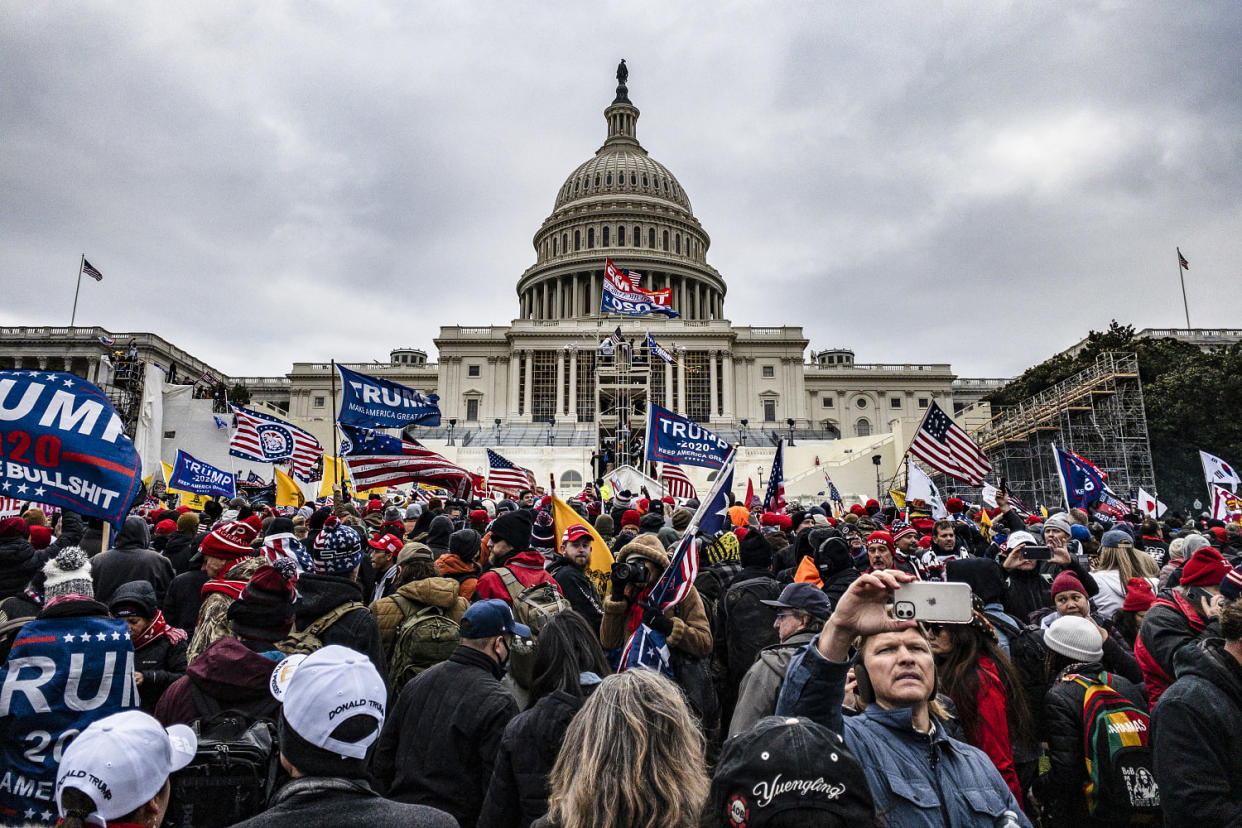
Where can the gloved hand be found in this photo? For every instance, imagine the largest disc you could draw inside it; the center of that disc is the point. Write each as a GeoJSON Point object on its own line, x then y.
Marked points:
{"type": "Point", "coordinates": [657, 620]}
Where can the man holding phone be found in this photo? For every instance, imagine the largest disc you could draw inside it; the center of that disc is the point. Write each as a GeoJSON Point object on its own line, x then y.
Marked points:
{"type": "Point", "coordinates": [917, 774]}
{"type": "Point", "coordinates": [1030, 574]}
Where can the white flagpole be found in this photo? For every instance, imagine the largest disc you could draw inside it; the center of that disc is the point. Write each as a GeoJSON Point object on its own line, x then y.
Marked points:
{"type": "Point", "coordinates": [77, 290]}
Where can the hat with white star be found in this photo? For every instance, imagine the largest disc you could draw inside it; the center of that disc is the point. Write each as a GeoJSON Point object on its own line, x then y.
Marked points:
{"type": "Point", "coordinates": [69, 573]}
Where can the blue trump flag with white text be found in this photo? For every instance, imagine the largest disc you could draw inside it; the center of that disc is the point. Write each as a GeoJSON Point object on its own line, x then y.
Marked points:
{"type": "Point", "coordinates": [1080, 480]}
{"type": "Point", "coordinates": [61, 675]}
{"type": "Point", "coordinates": [62, 443]}
{"type": "Point", "coordinates": [373, 402]}
{"type": "Point", "coordinates": [672, 438]}
{"type": "Point", "coordinates": [191, 475]}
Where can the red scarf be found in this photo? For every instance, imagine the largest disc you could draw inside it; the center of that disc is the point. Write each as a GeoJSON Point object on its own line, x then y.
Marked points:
{"type": "Point", "coordinates": [636, 609]}
{"type": "Point", "coordinates": [158, 627]}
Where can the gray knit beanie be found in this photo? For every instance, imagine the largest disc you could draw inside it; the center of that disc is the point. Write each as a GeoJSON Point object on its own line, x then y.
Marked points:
{"type": "Point", "coordinates": [1076, 638]}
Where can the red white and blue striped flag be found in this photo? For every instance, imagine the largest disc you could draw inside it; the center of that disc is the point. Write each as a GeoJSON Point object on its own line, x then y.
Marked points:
{"type": "Point", "coordinates": [946, 447]}
{"type": "Point", "coordinates": [266, 439]}
{"type": "Point", "coordinates": [376, 459]}
{"type": "Point", "coordinates": [774, 500]}
{"type": "Point", "coordinates": [676, 484]}
{"type": "Point", "coordinates": [504, 475]}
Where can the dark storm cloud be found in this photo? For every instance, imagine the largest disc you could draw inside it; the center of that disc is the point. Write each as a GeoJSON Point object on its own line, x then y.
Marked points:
{"type": "Point", "coordinates": [968, 183]}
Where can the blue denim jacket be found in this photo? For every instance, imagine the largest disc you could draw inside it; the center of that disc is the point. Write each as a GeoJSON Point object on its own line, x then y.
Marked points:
{"type": "Point", "coordinates": [917, 780]}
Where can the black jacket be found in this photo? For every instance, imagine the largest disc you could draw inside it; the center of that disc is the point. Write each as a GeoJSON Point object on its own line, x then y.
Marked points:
{"type": "Point", "coordinates": [442, 735]}
{"type": "Point", "coordinates": [1196, 730]}
{"type": "Point", "coordinates": [1063, 729]}
{"type": "Point", "coordinates": [438, 534]}
{"type": "Point", "coordinates": [320, 594]}
{"type": "Point", "coordinates": [580, 591]}
{"type": "Point", "coordinates": [161, 663]}
{"type": "Point", "coordinates": [18, 563]}
{"type": "Point", "coordinates": [1028, 591]}
{"type": "Point", "coordinates": [518, 794]}
{"type": "Point", "coordinates": [328, 802]}
{"type": "Point", "coordinates": [183, 599]}
{"type": "Point", "coordinates": [179, 549]}
{"type": "Point", "coordinates": [131, 560]}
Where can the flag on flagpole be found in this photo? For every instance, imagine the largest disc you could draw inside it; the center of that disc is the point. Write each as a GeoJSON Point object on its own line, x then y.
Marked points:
{"type": "Point", "coordinates": [267, 439]}
{"type": "Point", "coordinates": [774, 500]}
{"type": "Point", "coordinates": [1217, 472]}
{"type": "Point", "coordinates": [920, 487]}
{"type": "Point", "coordinates": [1081, 482]}
{"type": "Point", "coordinates": [288, 493]}
{"type": "Point", "coordinates": [1149, 505]}
{"type": "Point", "coordinates": [750, 493]}
{"type": "Point", "coordinates": [1225, 504]}
{"type": "Point", "coordinates": [91, 271]}
{"type": "Point", "coordinates": [506, 476]}
{"type": "Point", "coordinates": [943, 445]}
{"type": "Point", "coordinates": [376, 459]}
{"type": "Point", "coordinates": [333, 470]}
{"type": "Point", "coordinates": [834, 495]}
{"type": "Point", "coordinates": [1181, 260]}
{"type": "Point", "coordinates": [676, 484]}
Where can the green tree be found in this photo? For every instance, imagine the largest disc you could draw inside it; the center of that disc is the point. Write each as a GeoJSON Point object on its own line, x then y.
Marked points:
{"type": "Point", "coordinates": [239, 394]}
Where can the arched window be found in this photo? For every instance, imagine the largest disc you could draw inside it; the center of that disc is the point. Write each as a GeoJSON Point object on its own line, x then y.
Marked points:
{"type": "Point", "coordinates": [644, 179]}
{"type": "Point", "coordinates": [576, 186]}
{"type": "Point", "coordinates": [863, 427]}
{"type": "Point", "coordinates": [577, 239]}
{"type": "Point", "coordinates": [651, 238]}
{"type": "Point", "coordinates": [678, 239]}
{"type": "Point", "coordinates": [607, 234]}
{"type": "Point", "coordinates": [571, 480]}
{"type": "Point", "coordinates": [657, 181]}
{"type": "Point", "coordinates": [554, 241]}
{"type": "Point", "coordinates": [565, 242]}
{"type": "Point", "coordinates": [590, 237]}
{"type": "Point", "coordinates": [638, 236]}
{"type": "Point", "coordinates": [597, 179]}
{"type": "Point", "coordinates": [621, 235]}
{"type": "Point", "coordinates": [666, 241]}
{"type": "Point", "coordinates": [608, 179]}
{"type": "Point", "coordinates": [633, 180]}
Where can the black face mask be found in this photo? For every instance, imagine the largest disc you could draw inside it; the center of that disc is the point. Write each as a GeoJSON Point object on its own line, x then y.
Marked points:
{"type": "Point", "coordinates": [504, 663]}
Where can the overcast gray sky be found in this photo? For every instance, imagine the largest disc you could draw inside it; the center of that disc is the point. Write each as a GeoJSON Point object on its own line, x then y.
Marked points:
{"type": "Point", "coordinates": [974, 183]}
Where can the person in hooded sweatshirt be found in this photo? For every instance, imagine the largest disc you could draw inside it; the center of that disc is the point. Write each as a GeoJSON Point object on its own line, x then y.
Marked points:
{"type": "Point", "coordinates": [419, 583]}
{"type": "Point", "coordinates": [159, 648]}
{"type": "Point", "coordinates": [18, 559]}
{"type": "Point", "coordinates": [511, 552]}
{"type": "Point", "coordinates": [337, 554]}
{"type": "Point", "coordinates": [132, 559]}
{"type": "Point", "coordinates": [234, 671]}
{"type": "Point", "coordinates": [183, 543]}
{"type": "Point", "coordinates": [462, 561]}
{"type": "Point", "coordinates": [438, 534]}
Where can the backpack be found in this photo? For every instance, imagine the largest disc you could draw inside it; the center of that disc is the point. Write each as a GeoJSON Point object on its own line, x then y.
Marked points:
{"type": "Point", "coordinates": [1121, 783]}
{"type": "Point", "coordinates": [425, 636]}
{"type": "Point", "coordinates": [748, 623]}
{"type": "Point", "coordinates": [234, 770]}
{"type": "Point", "coordinates": [308, 640]}
{"type": "Point", "coordinates": [532, 606]}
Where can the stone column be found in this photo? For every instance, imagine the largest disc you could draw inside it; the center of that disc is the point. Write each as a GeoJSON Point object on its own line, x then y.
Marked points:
{"type": "Point", "coordinates": [560, 384]}
{"type": "Point", "coordinates": [573, 383]}
{"type": "Point", "coordinates": [711, 381]}
{"type": "Point", "coordinates": [529, 386]}
{"type": "Point", "coordinates": [727, 358]}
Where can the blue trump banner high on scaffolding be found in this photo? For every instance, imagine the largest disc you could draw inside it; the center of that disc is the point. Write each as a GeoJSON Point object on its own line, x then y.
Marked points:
{"type": "Point", "coordinates": [675, 439]}
{"type": "Point", "coordinates": [62, 443]}
{"type": "Point", "coordinates": [191, 475]}
{"type": "Point", "coordinates": [373, 402]}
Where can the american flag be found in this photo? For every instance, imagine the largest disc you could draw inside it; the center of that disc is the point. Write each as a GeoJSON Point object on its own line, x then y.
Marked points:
{"type": "Point", "coordinates": [253, 479]}
{"type": "Point", "coordinates": [676, 484]}
{"type": "Point", "coordinates": [377, 459]}
{"type": "Point", "coordinates": [1181, 260]}
{"type": "Point", "coordinates": [90, 270]}
{"type": "Point", "coordinates": [774, 500]}
{"type": "Point", "coordinates": [943, 445]}
{"type": "Point", "coordinates": [266, 439]}
{"type": "Point", "coordinates": [506, 476]}
{"type": "Point", "coordinates": [615, 337]}
{"type": "Point", "coordinates": [834, 496]}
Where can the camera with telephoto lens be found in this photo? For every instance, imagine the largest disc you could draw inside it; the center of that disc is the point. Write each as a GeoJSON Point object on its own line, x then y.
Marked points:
{"type": "Point", "coordinates": [630, 572]}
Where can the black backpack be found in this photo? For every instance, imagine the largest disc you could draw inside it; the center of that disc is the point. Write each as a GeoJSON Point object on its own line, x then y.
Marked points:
{"type": "Point", "coordinates": [234, 771]}
{"type": "Point", "coordinates": [748, 623]}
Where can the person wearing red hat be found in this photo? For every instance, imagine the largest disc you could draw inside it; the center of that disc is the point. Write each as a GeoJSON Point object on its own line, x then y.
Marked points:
{"type": "Point", "coordinates": [1129, 619]}
{"type": "Point", "coordinates": [383, 552]}
{"type": "Point", "coordinates": [1181, 617]}
{"type": "Point", "coordinates": [630, 519]}
{"type": "Point", "coordinates": [882, 552]}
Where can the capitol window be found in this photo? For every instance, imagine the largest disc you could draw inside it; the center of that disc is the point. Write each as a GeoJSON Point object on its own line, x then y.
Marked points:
{"type": "Point", "coordinates": [863, 427]}
{"type": "Point", "coordinates": [861, 402]}
{"type": "Point", "coordinates": [651, 238]}
{"type": "Point", "coordinates": [666, 241]}
{"type": "Point", "coordinates": [608, 179]}
{"type": "Point", "coordinates": [638, 236]}
{"type": "Point", "coordinates": [644, 180]}
{"type": "Point", "coordinates": [590, 237]}
{"type": "Point", "coordinates": [597, 180]}
{"type": "Point", "coordinates": [677, 239]}
{"type": "Point", "coordinates": [922, 402]}
{"type": "Point", "coordinates": [318, 401]}
{"type": "Point", "coordinates": [828, 402]}
{"type": "Point", "coordinates": [633, 180]}
{"type": "Point", "coordinates": [894, 402]}
{"type": "Point", "coordinates": [577, 239]}
{"type": "Point", "coordinates": [472, 370]}
{"type": "Point", "coordinates": [606, 235]}
{"type": "Point", "coordinates": [769, 371]}
{"type": "Point", "coordinates": [621, 235]}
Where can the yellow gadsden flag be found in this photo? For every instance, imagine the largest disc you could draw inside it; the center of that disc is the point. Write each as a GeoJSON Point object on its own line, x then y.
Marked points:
{"type": "Point", "coordinates": [600, 566]}
{"type": "Point", "coordinates": [288, 492]}
{"type": "Point", "coordinates": [194, 501]}
{"type": "Point", "coordinates": [333, 467]}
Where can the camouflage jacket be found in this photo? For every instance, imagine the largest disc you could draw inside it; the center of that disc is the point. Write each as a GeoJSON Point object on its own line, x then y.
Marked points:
{"type": "Point", "coordinates": [213, 621]}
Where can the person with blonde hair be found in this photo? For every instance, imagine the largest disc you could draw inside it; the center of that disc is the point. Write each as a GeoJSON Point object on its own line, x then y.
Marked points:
{"type": "Point", "coordinates": [1118, 562]}
{"type": "Point", "coordinates": [633, 757]}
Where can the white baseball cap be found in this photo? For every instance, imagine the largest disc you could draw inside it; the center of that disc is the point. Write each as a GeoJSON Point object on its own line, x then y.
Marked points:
{"type": "Point", "coordinates": [1020, 539]}
{"type": "Point", "coordinates": [323, 689]}
{"type": "Point", "coordinates": [122, 761]}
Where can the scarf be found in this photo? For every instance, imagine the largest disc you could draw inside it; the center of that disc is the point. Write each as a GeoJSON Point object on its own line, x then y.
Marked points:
{"type": "Point", "coordinates": [158, 627]}
{"type": "Point", "coordinates": [232, 589]}
{"type": "Point", "coordinates": [636, 609]}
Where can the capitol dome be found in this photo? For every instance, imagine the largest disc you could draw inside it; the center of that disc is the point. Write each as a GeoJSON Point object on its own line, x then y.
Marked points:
{"type": "Point", "coordinates": [623, 205]}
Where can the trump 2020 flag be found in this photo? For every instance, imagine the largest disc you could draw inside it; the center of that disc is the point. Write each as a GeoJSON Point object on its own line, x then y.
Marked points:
{"type": "Point", "coordinates": [622, 295]}
{"type": "Point", "coordinates": [674, 439]}
{"type": "Point", "coordinates": [61, 675]}
{"type": "Point", "coordinates": [65, 445]}
{"type": "Point", "coordinates": [197, 477]}
{"type": "Point", "coordinates": [1081, 481]}
{"type": "Point", "coordinates": [373, 402]}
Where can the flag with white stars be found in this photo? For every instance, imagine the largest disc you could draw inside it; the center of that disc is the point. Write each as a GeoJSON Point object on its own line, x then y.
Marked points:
{"type": "Point", "coordinates": [61, 675]}
{"type": "Point", "coordinates": [946, 447]}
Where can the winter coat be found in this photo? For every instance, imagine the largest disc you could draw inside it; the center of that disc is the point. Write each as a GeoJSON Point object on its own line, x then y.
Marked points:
{"type": "Point", "coordinates": [320, 594]}
{"type": "Point", "coordinates": [228, 671]}
{"type": "Point", "coordinates": [71, 531]}
{"type": "Point", "coordinates": [329, 802]}
{"type": "Point", "coordinates": [18, 563]}
{"type": "Point", "coordinates": [1029, 591]}
{"type": "Point", "coordinates": [131, 560]}
{"type": "Point", "coordinates": [743, 638]}
{"type": "Point", "coordinates": [213, 614]}
{"type": "Point", "coordinates": [916, 779]}
{"type": "Point", "coordinates": [518, 793]}
{"type": "Point", "coordinates": [429, 592]}
{"type": "Point", "coordinates": [1063, 731]}
{"type": "Point", "coordinates": [441, 738]}
{"type": "Point", "coordinates": [1196, 730]}
{"type": "Point", "coordinates": [1112, 594]}
{"type": "Point", "coordinates": [692, 633]}
{"type": "Point", "coordinates": [465, 574]}
{"type": "Point", "coordinates": [526, 566]}
{"type": "Point", "coordinates": [438, 535]}
{"type": "Point", "coordinates": [161, 663]}
{"type": "Point", "coordinates": [756, 695]}
{"type": "Point", "coordinates": [183, 599]}
{"type": "Point", "coordinates": [581, 592]}
{"type": "Point", "coordinates": [1171, 624]}
{"type": "Point", "coordinates": [992, 725]}
{"type": "Point", "coordinates": [179, 549]}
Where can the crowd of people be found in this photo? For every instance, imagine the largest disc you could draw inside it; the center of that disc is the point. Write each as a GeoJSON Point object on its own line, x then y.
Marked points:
{"type": "Point", "coordinates": [438, 662]}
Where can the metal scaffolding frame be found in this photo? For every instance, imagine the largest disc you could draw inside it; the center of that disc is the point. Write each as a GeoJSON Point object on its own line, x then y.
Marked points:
{"type": "Point", "coordinates": [622, 389]}
{"type": "Point", "coordinates": [1097, 413]}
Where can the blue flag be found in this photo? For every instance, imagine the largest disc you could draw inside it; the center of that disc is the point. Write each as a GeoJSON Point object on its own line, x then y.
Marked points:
{"type": "Point", "coordinates": [61, 675]}
{"type": "Point", "coordinates": [190, 475]}
{"type": "Point", "coordinates": [675, 439]}
{"type": "Point", "coordinates": [64, 445]}
{"type": "Point", "coordinates": [372, 402]}
{"type": "Point", "coordinates": [1080, 480]}
{"type": "Point", "coordinates": [658, 349]}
